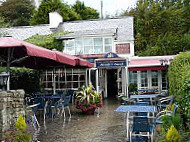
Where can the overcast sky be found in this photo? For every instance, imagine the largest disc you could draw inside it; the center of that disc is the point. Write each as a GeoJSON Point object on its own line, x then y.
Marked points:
{"type": "Point", "coordinates": [110, 7]}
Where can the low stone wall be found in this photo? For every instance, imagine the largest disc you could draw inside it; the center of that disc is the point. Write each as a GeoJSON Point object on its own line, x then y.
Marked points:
{"type": "Point", "coordinates": [11, 105]}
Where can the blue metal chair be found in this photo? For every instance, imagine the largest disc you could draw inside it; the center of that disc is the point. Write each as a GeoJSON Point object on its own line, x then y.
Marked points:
{"type": "Point", "coordinates": [66, 105]}
{"type": "Point", "coordinates": [164, 112]}
{"type": "Point", "coordinates": [71, 93]}
{"type": "Point", "coordinates": [165, 102]}
{"type": "Point", "coordinates": [141, 125]}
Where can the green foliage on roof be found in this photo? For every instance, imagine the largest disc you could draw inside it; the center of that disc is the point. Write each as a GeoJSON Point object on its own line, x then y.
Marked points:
{"type": "Point", "coordinates": [47, 41]}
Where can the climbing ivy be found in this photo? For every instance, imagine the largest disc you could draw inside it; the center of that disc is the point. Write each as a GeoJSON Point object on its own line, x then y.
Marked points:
{"type": "Point", "coordinates": [47, 41]}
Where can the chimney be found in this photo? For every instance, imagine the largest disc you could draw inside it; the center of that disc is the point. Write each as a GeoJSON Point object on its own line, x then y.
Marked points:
{"type": "Point", "coordinates": [54, 20]}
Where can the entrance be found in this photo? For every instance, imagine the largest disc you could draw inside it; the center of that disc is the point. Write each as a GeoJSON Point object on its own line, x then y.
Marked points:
{"type": "Point", "coordinates": [112, 89]}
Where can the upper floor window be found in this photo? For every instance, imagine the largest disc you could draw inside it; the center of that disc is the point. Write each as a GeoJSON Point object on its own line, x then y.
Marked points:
{"type": "Point", "coordinates": [95, 45]}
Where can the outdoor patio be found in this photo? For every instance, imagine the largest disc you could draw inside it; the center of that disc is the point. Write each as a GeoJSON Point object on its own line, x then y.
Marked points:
{"type": "Point", "coordinates": [108, 127]}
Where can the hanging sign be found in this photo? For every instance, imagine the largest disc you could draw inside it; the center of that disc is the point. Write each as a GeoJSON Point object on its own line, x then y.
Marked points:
{"type": "Point", "coordinates": [111, 55]}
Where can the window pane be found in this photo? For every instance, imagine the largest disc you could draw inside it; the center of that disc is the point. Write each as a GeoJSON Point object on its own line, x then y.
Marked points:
{"type": "Point", "coordinates": [98, 49]}
{"type": "Point", "coordinates": [71, 50]}
{"type": "Point", "coordinates": [154, 78]}
{"type": "Point", "coordinates": [108, 41]}
{"type": "Point", "coordinates": [133, 77]}
{"type": "Point", "coordinates": [144, 80]}
{"type": "Point", "coordinates": [69, 43]}
{"type": "Point", "coordinates": [98, 42]}
{"type": "Point", "coordinates": [88, 49]}
{"type": "Point", "coordinates": [88, 41]}
{"type": "Point", "coordinates": [78, 47]}
{"type": "Point", "coordinates": [98, 45]}
{"type": "Point", "coordinates": [108, 48]}
{"type": "Point", "coordinates": [164, 80]}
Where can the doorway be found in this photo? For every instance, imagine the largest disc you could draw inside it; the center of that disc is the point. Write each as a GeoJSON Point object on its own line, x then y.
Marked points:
{"type": "Point", "coordinates": [112, 89]}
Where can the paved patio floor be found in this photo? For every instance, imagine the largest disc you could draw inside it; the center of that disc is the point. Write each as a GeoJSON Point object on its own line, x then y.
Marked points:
{"type": "Point", "coordinates": [108, 127]}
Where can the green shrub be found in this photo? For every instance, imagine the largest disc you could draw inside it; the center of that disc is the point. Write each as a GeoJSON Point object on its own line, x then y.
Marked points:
{"type": "Point", "coordinates": [173, 135]}
{"type": "Point", "coordinates": [132, 87]}
{"type": "Point", "coordinates": [27, 79]}
{"type": "Point", "coordinates": [168, 120]}
{"type": "Point", "coordinates": [179, 82]}
{"type": "Point", "coordinates": [20, 123]}
{"type": "Point", "coordinates": [19, 134]}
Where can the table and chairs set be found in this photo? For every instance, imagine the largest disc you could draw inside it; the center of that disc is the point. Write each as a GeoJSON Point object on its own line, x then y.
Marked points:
{"type": "Point", "coordinates": [51, 105]}
{"type": "Point", "coordinates": [142, 113]}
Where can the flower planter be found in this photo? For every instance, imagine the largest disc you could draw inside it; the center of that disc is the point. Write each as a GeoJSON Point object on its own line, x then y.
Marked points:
{"type": "Point", "coordinates": [89, 111]}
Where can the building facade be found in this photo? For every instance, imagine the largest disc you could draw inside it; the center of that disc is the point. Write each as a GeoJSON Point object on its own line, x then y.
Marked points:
{"type": "Point", "coordinates": [109, 44]}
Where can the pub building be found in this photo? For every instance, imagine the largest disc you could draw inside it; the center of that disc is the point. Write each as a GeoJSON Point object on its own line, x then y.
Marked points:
{"type": "Point", "coordinates": [109, 45]}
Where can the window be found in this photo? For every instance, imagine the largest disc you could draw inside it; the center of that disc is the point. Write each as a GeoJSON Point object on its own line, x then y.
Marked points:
{"type": "Point", "coordinates": [154, 75]}
{"type": "Point", "coordinates": [133, 77]}
{"type": "Point", "coordinates": [144, 80]}
{"type": "Point", "coordinates": [79, 47]}
{"type": "Point", "coordinates": [70, 46]}
{"type": "Point", "coordinates": [98, 45]}
{"type": "Point", "coordinates": [64, 79]}
{"type": "Point", "coordinates": [108, 45]}
{"type": "Point", "coordinates": [88, 45]}
{"type": "Point", "coordinates": [164, 80]}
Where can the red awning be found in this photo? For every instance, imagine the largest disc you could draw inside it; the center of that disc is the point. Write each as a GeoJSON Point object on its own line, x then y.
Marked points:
{"type": "Point", "coordinates": [35, 56]}
{"type": "Point", "coordinates": [65, 58]}
{"type": "Point", "coordinates": [75, 61]}
{"type": "Point", "coordinates": [147, 68]}
{"type": "Point", "coordinates": [31, 49]}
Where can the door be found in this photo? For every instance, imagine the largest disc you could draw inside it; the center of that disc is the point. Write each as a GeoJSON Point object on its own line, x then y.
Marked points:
{"type": "Point", "coordinates": [112, 89]}
{"type": "Point", "coordinates": [93, 78]}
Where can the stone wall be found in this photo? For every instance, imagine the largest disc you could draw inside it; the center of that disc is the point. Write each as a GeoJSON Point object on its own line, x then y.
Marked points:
{"type": "Point", "coordinates": [11, 105]}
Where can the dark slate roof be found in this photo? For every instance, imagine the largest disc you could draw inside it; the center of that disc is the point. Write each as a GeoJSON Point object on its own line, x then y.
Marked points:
{"type": "Point", "coordinates": [24, 32]}
{"type": "Point", "coordinates": [124, 26]}
{"type": "Point", "coordinates": [94, 32]}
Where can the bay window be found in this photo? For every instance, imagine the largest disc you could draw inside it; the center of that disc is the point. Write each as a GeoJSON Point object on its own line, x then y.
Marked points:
{"type": "Point", "coordinates": [91, 45]}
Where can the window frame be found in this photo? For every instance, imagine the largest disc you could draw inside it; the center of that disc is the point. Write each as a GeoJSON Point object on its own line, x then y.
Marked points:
{"type": "Point", "coordinates": [93, 45]}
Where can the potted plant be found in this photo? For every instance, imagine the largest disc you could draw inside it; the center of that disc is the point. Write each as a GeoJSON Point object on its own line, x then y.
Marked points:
{"type": "Point", "coordinates": [87, 99]}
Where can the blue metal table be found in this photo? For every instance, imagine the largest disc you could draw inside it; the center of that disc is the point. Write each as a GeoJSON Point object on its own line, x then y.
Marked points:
{"type": "Point", "coordinates": [149, 96]}
{"type": "Point", "coordinates": [134, 108]}
{"type": "Point", "coordinates": [143, 96]}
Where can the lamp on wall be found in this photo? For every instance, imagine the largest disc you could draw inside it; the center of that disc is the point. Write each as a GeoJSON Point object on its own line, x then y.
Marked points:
{"type": "Point", "coordinates": [3, 79]}
{"type": "Point", "coordinates": [164, 62]}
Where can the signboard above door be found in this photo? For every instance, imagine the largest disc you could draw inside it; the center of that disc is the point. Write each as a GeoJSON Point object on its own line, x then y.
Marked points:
{"type": "Point", "coordinates": [107, 64]}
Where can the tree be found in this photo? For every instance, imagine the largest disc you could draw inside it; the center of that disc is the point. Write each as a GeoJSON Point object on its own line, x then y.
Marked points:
{"type": "Point", "coordinates": [161, 27]}
{"type": "Point", "coordinates": [17, 12]}
{"type": "Point", "coordinates": [41, 16]}
{"type": "Point", "coordinates": [85, 12]}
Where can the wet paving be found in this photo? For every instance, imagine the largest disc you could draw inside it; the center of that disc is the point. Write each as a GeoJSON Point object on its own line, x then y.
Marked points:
{"type": "Point", "coordinates": [108, 127]}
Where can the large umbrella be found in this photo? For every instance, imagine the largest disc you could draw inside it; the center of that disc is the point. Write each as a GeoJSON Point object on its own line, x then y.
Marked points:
{"type": "Point", "coordinates": [18, 53]}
